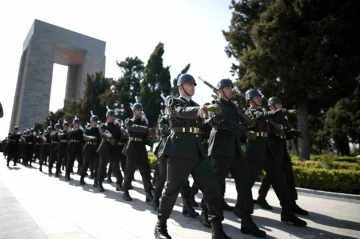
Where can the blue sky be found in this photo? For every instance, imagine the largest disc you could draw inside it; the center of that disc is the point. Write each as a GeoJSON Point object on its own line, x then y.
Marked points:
{"type": "Point", "coordinates": [190, 31]}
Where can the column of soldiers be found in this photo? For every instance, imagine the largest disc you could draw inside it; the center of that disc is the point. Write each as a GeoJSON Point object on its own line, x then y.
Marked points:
{"type": "Point", "coordinates": [204, 141]}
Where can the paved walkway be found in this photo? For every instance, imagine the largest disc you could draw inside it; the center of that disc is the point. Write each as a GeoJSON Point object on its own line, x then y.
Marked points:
{"type": "Point", "coordinates": [35, 205]}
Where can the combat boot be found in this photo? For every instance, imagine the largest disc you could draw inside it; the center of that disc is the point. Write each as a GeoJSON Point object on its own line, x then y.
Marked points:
{"type": "Point", "coordinates": [8, 164]}
{"type": "Point", "coordinates": [204, 219]}
{"type": "Point", "coordinates": [160, 231]}
{"type": "Point", "coordinates": [50, 171]}
{"type": "Point", "coordinates": [40, 169]}
{"type": "Point", "coordinates": [119, 187]}
{"type": "Point", "coordinates": [101, 188]}
{"type": "Point", "coordinates": [298, 210]}
{"type": "Point", "coordinates": [188, 210]}
{"type": "Point", "coordinates": [249, 227]}
{"type": "Point", "coordinates": [149, 197]}
{"type": "Point", "coordinates": [263, 203]}
{"type": "Point", "coordinates": [127, 196]}
{"type": "Point", "coordinates": [218, 231]}
{"type": "Point", "coordinates": [82, 181]}
{"type": "Point", "coordinates": [292, 218]}
{"type": "Point", "coordinates": [96, 184]}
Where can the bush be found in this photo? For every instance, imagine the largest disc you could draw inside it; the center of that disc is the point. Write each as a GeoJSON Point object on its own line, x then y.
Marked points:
{"type": "Point", "coordinates": [342, 181]}
{"type": "Point", "coordinates": [329, 157]}
{"type": "Point", "coordinates": [333, 165]}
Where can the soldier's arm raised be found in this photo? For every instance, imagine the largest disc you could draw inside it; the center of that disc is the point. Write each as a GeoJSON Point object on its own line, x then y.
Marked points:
{"type": "Point", "coordinates": [129, 125]}
{"type": "Point", "coordinates": [164, 127]}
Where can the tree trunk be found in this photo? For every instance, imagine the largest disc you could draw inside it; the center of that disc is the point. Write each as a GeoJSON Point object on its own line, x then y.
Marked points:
{"type": "Point", "coordinates": [303, 126]}
{"type": "Point", "coordinates": [344, 146]}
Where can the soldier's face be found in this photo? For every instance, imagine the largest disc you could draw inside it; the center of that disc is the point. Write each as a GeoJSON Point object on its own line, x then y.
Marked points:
{"type": "Point", "coordinates": [93, 124]}
{"type": "Point", "coordinates": [138, 113]}
{"type": "Point", "coordinates": [76, 125]}
{"type": "Point", "coordinates": [257, 100]}
{"type": "Point", "coordinates": [189, 89]}
{"type": "Point", "coordinates": [110, 118]}
{"type": "Point", "coordinates": [227, 91]}
{"type": "Point", "coordinates": [66, 128]}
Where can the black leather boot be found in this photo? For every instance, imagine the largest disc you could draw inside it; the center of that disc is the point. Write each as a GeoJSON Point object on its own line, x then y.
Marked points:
{"type": "Point", "coordinates": [127, 196]}
{"type": "Point", "coordinates": [292, 218]}
{"type": "Point", "coordinates": [188, 210]}
{"type": "Point", "coordinates": [227, 207]}
{"type": "Point", "coordinates": [249, 227]}
{"type": "Point", "coordinates": [204, 219]}
{"type": "Point", "coordinates": [218, 231]}
{"type": "Point", "coordinates": [96, 184]}
{"type": "Point", "coordinates": [193, 203]}
{"type": "Point", "coordinates": [160, 231]}
{"type": "Point", "coordinates": [119, 187]}
{"type": "Point", "coordinates": [101, 188]}
{"type": "Point", "coordinates": [263, 203]}
{"type": "Point", "coordinates": [298, 210]}
{"type": "Point", "coordinates": [82, 181]}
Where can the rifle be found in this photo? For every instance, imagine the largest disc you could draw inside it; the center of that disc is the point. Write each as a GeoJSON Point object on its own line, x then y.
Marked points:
{"type": "Point", "coordinates": [247, 121]}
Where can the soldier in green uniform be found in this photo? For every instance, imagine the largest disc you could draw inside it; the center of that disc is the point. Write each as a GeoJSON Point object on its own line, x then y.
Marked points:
{"type": "Point", "coordinates": [277, 144]}
{"type": "Point", "coordinates": [259, 156]}
{"type": "Point", "coordinates": [187, 155]}
{"type": "Point", "coordinates": [90, 156]}
{"type": "Point", "coordinates": [45, 147]}
{"type": "Point", "coordinates": [135, 151]}
{"type": "Point", "coordinates": [226, 154]}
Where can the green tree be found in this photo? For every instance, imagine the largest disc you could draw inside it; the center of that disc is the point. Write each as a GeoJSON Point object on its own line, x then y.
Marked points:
{"type": "Point", "coordinates": [156, 82]}
{"type": "Point", "coordinates": [96, 85]}
{"type": "Point", "coordinates": [122, 92]}
{"type": "Point", "coordinates": [295, 49]}
{"type": "Point", "coordinates": [53, 118]}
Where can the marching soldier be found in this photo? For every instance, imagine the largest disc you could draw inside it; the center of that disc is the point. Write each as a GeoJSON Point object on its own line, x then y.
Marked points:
{"type": "Point", "coordinates": [74, 147]}
{"type": "Point", "coordinates": [14, 145]}
{"type": "Point", "coordinates": [164, 127]}
{"type": "Point", "coordinates": [62, 156]}
{"type": "Point", "coordinates": [38, 142]}
{"type": "Point", "coordinates": [109, 150]}
{"type": "Point", "coordinates": [226, 154]}
{"type": "Point", "coordinates": [92, 136]}
{"type": "Point", "coordinates": [277, 143]}
{"type": "Point", "coordinates": [54, 147]}
{"type": "Point", "coordinates": [136, 153]}
{"type": "Point", "coordinates": [29, 147]}
{"type": "Point", "coordinates": [259, 156]}
{"type": "Point", "coordinates": [45, 147]}
{"type": "Point", "coordinates": [187, 155]}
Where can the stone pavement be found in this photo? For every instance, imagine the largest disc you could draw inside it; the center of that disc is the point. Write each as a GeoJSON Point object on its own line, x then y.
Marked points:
{"type": "Point", "coordinates": [35, 205]}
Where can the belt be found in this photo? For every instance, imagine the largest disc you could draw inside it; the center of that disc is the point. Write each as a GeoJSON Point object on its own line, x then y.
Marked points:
{"type": "Point", "coordinates": [54, 142]}
{"type": "Point", "coordinates": [45, 143]}
{"type": "Point", "coordinates": [136, 139]}
{"type": "Point", "coordinates": [63, 141]}
{"type": "Point", "coordinates": [92, 143]}
{"type": "Point", "coordinates": [122, 143]}
{"type": "Point", "coordinates": [261, 134]}
{"type": "Point", "coordinates": [282, 136]}
{"type": "Point", "coordinates": [205, 141]}
{"type": "Point", "coordinates": [74, 141]}
{"type": "Point", "coordinates": [191, 130]}
{"type": "Point", "coordinates": [29, 143]}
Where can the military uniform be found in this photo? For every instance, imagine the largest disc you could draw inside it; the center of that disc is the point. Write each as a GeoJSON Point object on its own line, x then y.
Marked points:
{"type": "Point", "coordinates": [136, 153]}
{"type": "Point", "coordinates": [109, 149]}
{"type": "Point", "coordinates": [54, 138]}
{"type": "Point", "coordinates": [74, 148]}
{"type": "Point", "coordinates": [13, 147]}
{"type": "Point", "coordinates": [90, 156]}
{"type": "Point", "coordinates": [259, 156]}
{"type": "Point", "coordinates": [187, 155]}
{"type": "Point", "coordinates": [45, 148]}
{"type": "Point", "coordinates": [29, 148]}
{"type": "Point", "coordinates": [277, 144]}
{"type": "Point", "coordinates": [62, 154]}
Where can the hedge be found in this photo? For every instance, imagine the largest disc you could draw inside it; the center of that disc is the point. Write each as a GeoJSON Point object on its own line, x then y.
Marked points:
{"type": "Point", "coordinates": [342, 181]}
{"type": "Point", "coordinates": [329, 157]}
{"type": "Point", "coordinates": [324, 165]}
{"type": "Point", "coordinates": [342, 177]}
